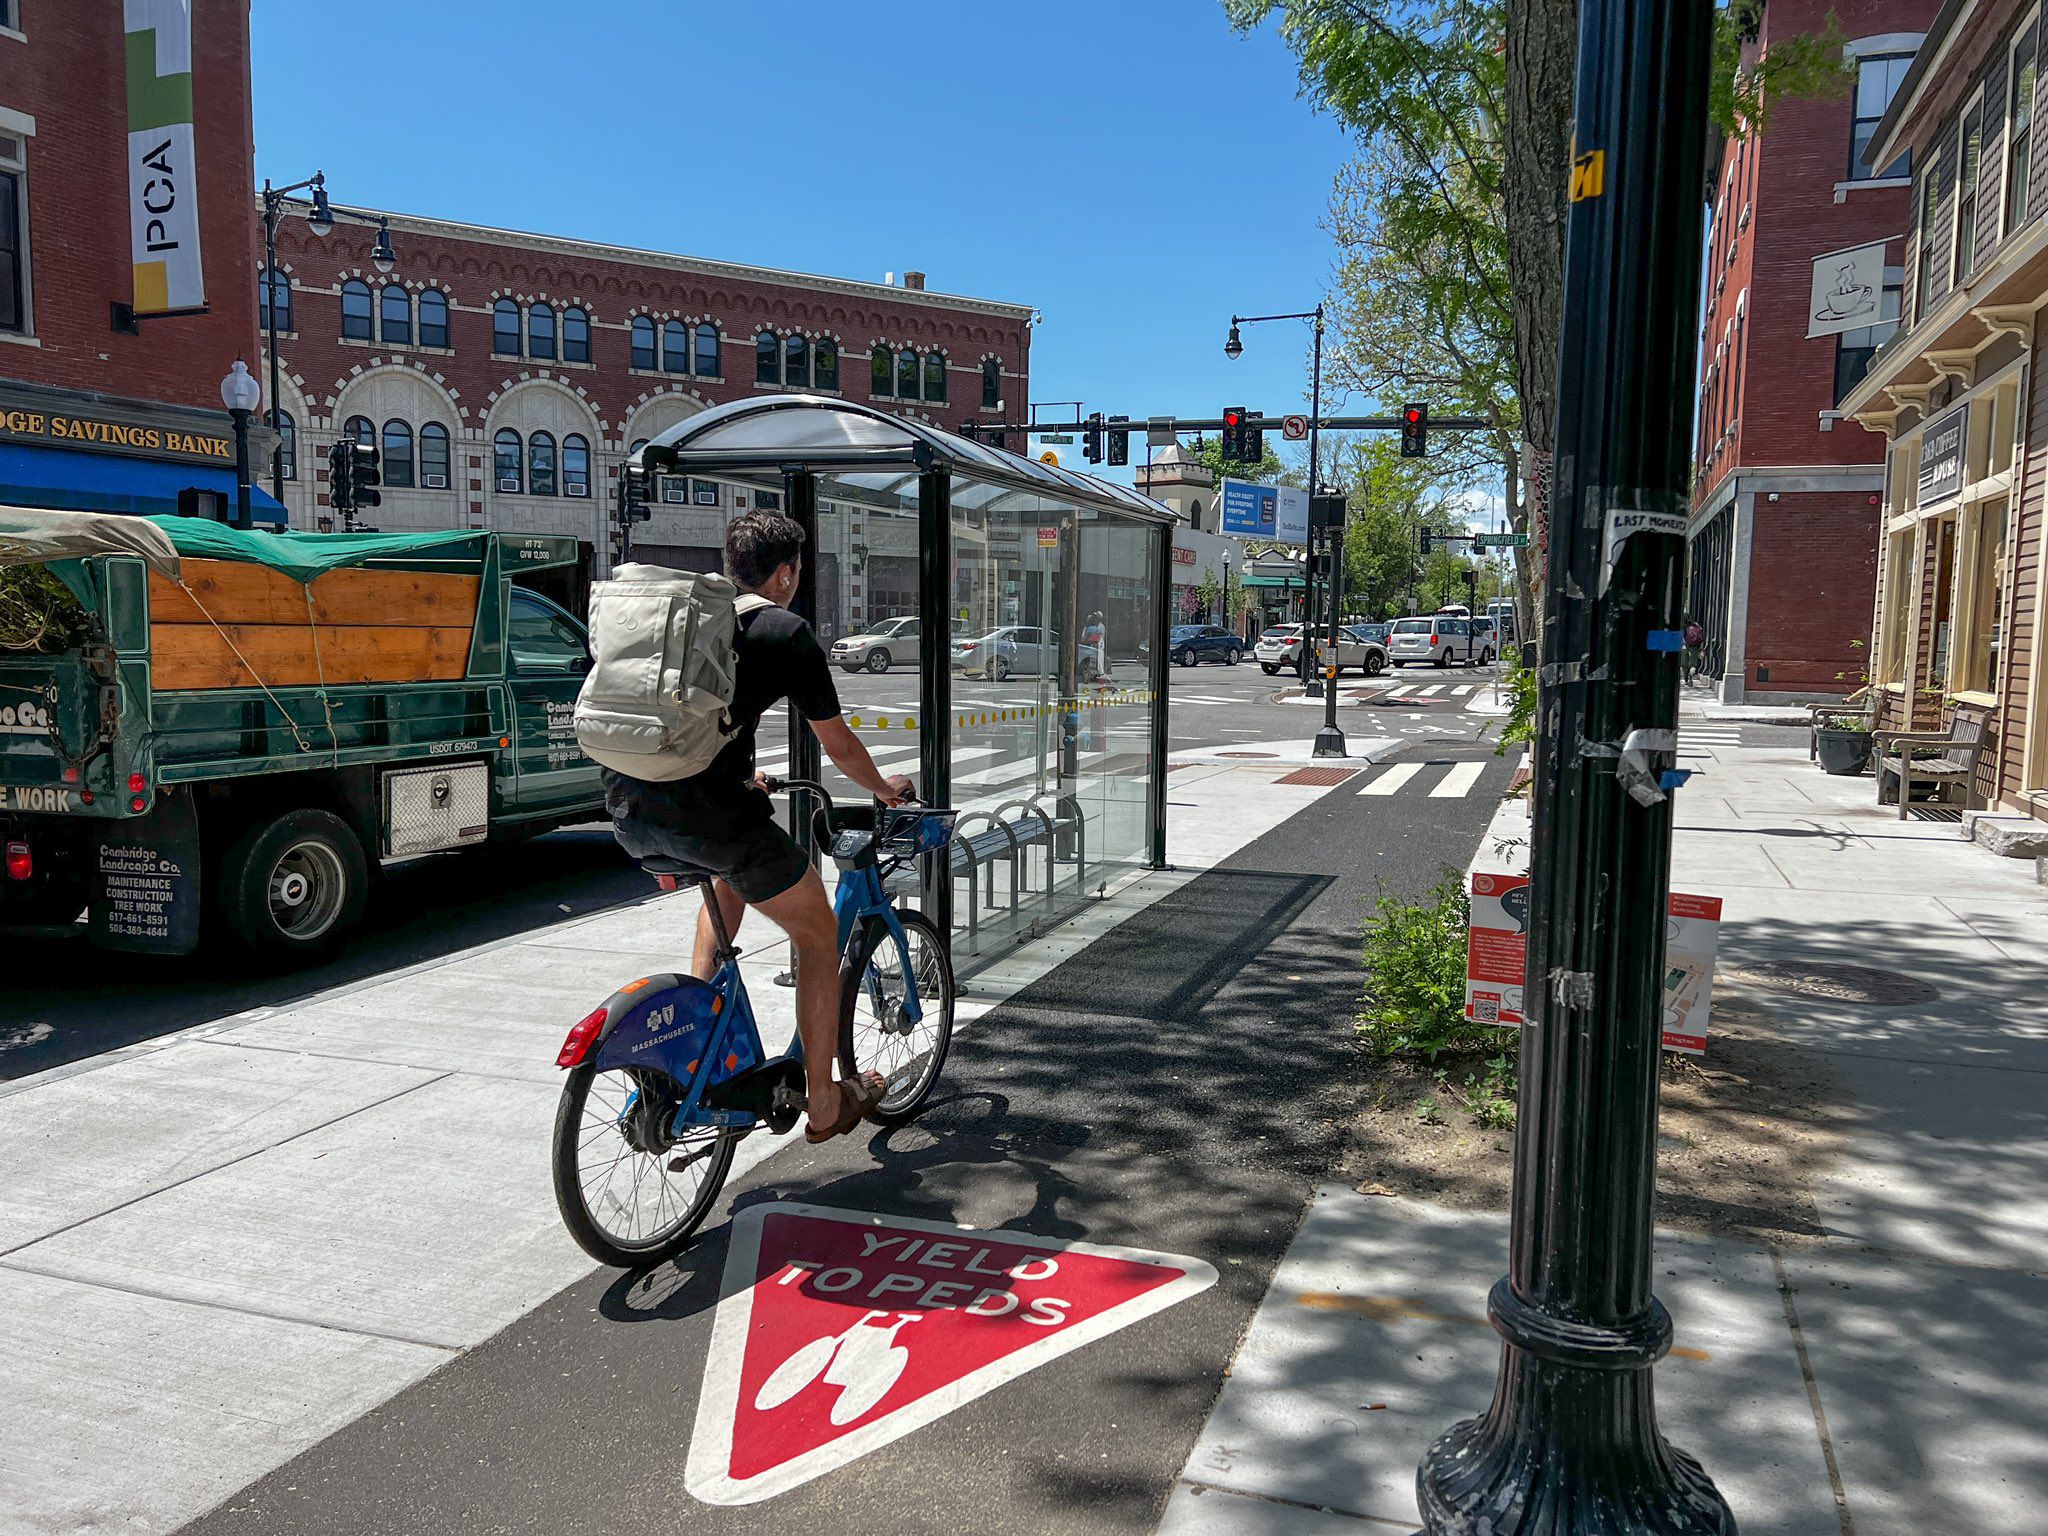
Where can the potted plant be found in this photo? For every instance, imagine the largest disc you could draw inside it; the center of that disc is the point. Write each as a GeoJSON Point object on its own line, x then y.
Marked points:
{"type": "Point", "coordinates": [1843, 743]}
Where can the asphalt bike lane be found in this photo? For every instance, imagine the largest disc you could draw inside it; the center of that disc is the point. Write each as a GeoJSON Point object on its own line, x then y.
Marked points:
{"type": "Point", "coordinates": [1016, 1311]}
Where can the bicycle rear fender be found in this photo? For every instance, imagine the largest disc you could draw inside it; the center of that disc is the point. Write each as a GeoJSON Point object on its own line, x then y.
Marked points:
{"type": "Point", "coordinates": [670, 1024]}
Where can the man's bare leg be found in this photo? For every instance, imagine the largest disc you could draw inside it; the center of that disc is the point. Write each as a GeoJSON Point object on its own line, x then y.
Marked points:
{"type": "Point", "coordinates": [732, 907]}
{"type": "Point", "coordinates": [804, 913]}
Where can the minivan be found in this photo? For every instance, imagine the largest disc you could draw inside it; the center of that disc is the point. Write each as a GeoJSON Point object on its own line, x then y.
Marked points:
{"type": "Point", "coordinates": [1438, 640]}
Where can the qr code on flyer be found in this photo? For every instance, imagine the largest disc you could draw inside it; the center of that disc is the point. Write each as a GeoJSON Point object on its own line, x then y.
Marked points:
{"type": "Point", "coordinates": [1485, 1008]}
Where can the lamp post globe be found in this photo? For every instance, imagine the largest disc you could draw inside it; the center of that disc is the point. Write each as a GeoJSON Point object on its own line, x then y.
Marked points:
{"type": "Point", "coordinates": [382, 257]}
{"type": "Point", "coordinates": [239, 390]}
{"type": "Point", "coordinates": [1234, 347]}
{"type": "Point", "coordinates": [241, 394]}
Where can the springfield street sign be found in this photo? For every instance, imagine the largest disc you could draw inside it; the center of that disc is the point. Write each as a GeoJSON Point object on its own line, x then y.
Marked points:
{"type": "Point", "coordinates": [842, 1331]}
{"type": "Point", "coordinates": [1501, 541]}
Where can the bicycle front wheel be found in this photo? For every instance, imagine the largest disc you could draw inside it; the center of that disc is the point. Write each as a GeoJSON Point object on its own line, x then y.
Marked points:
{"type": "Point", "coordinates": [629, 1193]}
{"type": "Point", "coordinates": [876, 1031]}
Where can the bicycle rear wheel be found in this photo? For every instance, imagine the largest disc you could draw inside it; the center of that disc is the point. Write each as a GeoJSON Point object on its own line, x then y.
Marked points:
{"type": "Point", "coordinates": [629, 1193]}
{"type": "Point", "coordinates": [876, 1034]}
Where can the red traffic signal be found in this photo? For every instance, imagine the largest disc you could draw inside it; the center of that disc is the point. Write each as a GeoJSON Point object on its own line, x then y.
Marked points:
{"type": "Point", "coordinates": [1234, 435]}
{"type": "Point", "coordinates": [1414, 431]}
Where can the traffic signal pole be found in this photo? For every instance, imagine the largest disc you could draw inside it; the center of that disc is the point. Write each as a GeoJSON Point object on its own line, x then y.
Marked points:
{"type": "Point", "coordinates": [1570, 1445]}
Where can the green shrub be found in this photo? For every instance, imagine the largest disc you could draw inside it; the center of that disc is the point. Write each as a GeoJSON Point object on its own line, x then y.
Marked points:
{"type": "Point", "coordinates": [1521, 721]}
{"type": "Point", "coordinates": [1415, 976]}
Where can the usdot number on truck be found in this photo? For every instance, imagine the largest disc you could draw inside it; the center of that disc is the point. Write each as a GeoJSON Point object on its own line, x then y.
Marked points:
{"type": "Point", "coordinates": [238, 727]}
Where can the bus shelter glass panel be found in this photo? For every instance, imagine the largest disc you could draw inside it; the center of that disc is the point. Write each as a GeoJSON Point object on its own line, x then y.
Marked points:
{"type": "Point", "coordinates": [1051, 710]}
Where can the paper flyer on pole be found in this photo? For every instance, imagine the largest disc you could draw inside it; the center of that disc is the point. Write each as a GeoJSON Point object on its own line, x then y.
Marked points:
{"type": "Point", "coordinates": [1496, 954]}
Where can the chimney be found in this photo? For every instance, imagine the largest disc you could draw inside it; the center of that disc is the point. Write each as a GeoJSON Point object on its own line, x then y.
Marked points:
{"type": "Point", "coordinates": [914, 280]}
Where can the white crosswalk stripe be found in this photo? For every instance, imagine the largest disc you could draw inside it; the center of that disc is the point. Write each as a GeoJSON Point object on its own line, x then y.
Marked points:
{"type": "Point", "coordinates": [1432, 688]}
{"type": "Point", "coordinates": [1462, 689]}
{"type": "Point", "coordinates": [1390, 781]}
{"type": "Point", "coordinates": [1458, 782]}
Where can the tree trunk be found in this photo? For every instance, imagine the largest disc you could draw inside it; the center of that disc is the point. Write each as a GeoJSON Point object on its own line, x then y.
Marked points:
{"type": "Point", "coordinates": [1542, 56]}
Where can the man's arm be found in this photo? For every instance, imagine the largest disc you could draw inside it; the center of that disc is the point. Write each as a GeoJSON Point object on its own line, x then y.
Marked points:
{"type": "Point", "coordinates": [850, 756]}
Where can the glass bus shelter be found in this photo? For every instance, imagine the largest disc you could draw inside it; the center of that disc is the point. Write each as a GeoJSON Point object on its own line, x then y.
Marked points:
{"type": "Point", "coordinates": [1020, 614]}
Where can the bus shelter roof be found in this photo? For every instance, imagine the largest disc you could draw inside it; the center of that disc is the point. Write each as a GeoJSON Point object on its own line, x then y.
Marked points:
{"type": "Point", "coordinates": [755, 439]}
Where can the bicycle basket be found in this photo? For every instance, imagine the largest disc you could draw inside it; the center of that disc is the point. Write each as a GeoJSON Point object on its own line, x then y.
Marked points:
{"type": "Point", "coordinates": [916, 830]}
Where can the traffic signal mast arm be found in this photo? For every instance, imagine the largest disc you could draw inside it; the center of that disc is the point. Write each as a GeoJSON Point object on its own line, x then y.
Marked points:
{"type": "Point", "coordinates": [1263, 423]}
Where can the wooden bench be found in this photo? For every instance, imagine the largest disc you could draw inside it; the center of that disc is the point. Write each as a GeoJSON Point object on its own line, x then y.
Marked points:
{"type": "Point", "coordinates": [1954, 766]}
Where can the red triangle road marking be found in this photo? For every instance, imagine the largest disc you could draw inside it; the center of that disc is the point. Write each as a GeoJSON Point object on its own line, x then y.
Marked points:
{"type": "Point", "coordinates": [841, 1331]}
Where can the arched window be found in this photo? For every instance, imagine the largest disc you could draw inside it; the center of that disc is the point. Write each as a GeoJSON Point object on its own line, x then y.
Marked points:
{"type": "Point", "coordinates": [355, 309]}
{"type": "Point", "coordinates": [433, 318]}
{"type": "Point", "coordinates": [276, 293]}
{"type": "Point", "coordinates": [362, 431]}
{"type": "Point", "coordinates": [394, 314]}
{"type": "Point", "coordinates": [935, 376]}
{"type": "Point", "coordinates": [540, 332]}
{"type": "Point", "coordinates": [434, 457]}
{"type": "Point", "coordinates": [575, 465]}
{"type": "Point", "coordinates": [508, 461]}
{"type": "Point", "coordinates": [643, 342]}
{"type": "Point", "coordinates": [991, 383]}
{"type": "Point", "coordinates": [287, 442]}
{"type": "Point", "coordinates": [882, 372]}
{"type": "Point", "coordinates": [675, 346]}
{"type": "Point", "coordinates": [575, 336]}
{"type": "Point", "coordinates": [796, 362]}
{"type": "Point", "coordinates": [767, 358]}
{"type": "Point", "coordinates": [906, 375]}
{"type": "Point", "coordinates": [825, 363]}
{"type": "Point", "coordinates": [540, 465]}
{"type": "Point", "coordinates": [708, 365]}
{"type": "Point", "coordinates": [505, 328]}
{"type": "Point", "coordinates": [397, 453]}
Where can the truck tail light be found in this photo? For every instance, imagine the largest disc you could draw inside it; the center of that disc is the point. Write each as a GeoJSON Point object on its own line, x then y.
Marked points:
{"type": "Point", "coordinates": [581, 1037]}
{"type": "Point", "coordinates": [21, 863]}
{"type": "Point", "coordinates": [138, 792]}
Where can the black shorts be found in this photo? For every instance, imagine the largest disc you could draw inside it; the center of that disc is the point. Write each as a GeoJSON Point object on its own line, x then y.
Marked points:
{"type": "Point", "coordinates": [760, 862]}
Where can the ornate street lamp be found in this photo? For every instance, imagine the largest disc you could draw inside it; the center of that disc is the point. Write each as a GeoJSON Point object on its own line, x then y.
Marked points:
{"type": "Point", "coordinates": [241, 394]}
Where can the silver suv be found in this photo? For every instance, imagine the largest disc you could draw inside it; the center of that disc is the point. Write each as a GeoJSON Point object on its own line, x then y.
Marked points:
{"type": "Point", "coordinates": [879, 648]}
{"type": "Point", "coordinates": [1438, 640]}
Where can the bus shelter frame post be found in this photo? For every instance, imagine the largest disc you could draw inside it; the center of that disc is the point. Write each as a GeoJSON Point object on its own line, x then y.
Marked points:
{"type": "Point", "coordinates": [1162, 628]}
{"type": "Point", "coordinates": [935, 682]}
{"type": "Point", "coordinates": [806, 761]}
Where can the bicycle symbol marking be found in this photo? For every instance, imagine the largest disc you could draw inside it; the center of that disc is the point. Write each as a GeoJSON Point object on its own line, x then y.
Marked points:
{"type": "Point", "coordinates": [863, 1362]}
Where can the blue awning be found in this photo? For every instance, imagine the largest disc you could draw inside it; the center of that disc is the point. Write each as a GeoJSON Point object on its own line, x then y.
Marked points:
{"type": "Point", "coordinates": [67, 480]}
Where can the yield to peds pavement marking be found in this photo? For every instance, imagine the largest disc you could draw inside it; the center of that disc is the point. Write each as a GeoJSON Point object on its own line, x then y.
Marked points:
{"type": "Point", "coordinates": [842, 1331]}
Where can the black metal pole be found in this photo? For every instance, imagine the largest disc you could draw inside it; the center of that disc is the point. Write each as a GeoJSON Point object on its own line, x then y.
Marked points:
{"type": "Point", "coordinates": [242, 516]}
{"type": "Point", "coordinates": [935, 682]}
{"type": "Point", "coordinates": [1162, 625]}
{"type": "Point", "coordinates": [806, 759]}
{"type": "Point", "coordinates": [272, 202]}
{"type": "Point", "coordinates": [1571, 1443]}
{"type": "Point", "coordinates": [1330, 739]}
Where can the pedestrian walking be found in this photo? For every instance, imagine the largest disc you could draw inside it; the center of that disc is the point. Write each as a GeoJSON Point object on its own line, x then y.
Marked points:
{"type": "Point", "coordinates": [1695, 643]}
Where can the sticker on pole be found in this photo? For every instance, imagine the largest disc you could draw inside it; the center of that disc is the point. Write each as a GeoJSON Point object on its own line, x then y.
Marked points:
{"type": "Point", "coordinates": [1623, 524]}
{"type": "Point", "coordinates": [841, 1331]}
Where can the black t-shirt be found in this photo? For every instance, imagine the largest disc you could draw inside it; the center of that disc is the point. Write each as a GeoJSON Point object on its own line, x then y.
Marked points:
{"type": "Point", "coordinates": [778, 658]}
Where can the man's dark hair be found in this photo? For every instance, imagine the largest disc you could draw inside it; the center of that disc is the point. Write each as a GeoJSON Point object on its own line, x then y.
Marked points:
{"type": "Point", "coordinates": [756, 543]}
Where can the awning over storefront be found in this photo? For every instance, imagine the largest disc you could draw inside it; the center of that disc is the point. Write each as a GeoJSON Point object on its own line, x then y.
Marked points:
{"type": "Point", "coordinates": [97, 482]}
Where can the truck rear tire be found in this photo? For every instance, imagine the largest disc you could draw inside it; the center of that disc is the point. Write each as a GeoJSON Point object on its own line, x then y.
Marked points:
{"type": "Point", "coordinates": [292, 887]}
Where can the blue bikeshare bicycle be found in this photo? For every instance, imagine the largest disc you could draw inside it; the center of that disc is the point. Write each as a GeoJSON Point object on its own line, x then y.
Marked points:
{"type": "Point", "coordinates": [669, 1074]}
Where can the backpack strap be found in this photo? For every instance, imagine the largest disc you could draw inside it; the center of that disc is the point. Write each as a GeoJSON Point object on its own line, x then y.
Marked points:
{"type": "Point", "coordinates": [749, 602]}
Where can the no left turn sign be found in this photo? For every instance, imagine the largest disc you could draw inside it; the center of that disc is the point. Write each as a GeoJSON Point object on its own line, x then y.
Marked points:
{"type": "Point", "coordinates": [1294, 428]}
{"type": "Point", "coordinates": [841, 1331]}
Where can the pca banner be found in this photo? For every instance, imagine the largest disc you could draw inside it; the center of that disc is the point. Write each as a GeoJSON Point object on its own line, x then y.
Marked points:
{"type": "Point", "coordinates": [163, 187]}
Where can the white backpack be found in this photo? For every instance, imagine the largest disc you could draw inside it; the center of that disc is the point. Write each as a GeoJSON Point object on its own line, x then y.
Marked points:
{"type": "Point", "coordinates": [653, 705]}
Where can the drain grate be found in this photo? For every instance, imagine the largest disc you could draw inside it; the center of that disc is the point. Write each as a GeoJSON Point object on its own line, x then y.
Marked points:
{"type": "Point", "coordinates": [1837, 983]}
{"type": "Point", "coordinates": [1318, 776]}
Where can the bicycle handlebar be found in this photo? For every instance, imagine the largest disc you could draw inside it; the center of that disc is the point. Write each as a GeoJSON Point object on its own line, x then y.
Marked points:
{"type": "Point", "coordinates": [777, 786]}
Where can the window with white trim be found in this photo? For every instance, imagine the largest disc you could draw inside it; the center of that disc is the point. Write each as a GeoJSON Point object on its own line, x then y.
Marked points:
{"type": "Point", "coordinates": [355, 309]}
{"type": "Point", "coordinates": [433, 457]}
{"type": "Point", "coordinates": [1970, 160]}
{"type": "Point", "coordinates": [575, 465]}
{"type": "Point", "coordinates": [433, 318]}
{"type": "Point", "coordinates": [1877, 81]}
{"type": "Point", "coordinates": [508, 463]}
{"type": "Point", "coordinates": [394, 315]}
{"type": "Point", "coordinates": [1926, 200]}
{"type": "Point", "coordinates": [2019, 121]}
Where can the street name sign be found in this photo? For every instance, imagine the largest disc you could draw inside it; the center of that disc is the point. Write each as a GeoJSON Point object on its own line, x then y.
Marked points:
{"type": "Point", "coordinates": [842, 1331]}
{"type": "Point", "coordinates": [1501, 541]}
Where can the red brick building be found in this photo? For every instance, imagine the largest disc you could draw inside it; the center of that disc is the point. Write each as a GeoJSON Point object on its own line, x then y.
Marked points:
{"type": "Point", "coordinates": [506, 375]}
{"type": "Point", "coordinates": [1787, 491]}
{"type": "Point", "coordinates": [94, 412]}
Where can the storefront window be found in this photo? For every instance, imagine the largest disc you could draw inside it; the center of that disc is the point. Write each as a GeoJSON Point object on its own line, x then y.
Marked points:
{"type": "Point", "coordinates": [1898, 602]}
{"type": "Point", "coordinates": [1986, 598]}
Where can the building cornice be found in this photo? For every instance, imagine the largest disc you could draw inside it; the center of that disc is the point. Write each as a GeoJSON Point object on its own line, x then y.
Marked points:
{"type": "Point", "coordinates": [731, 271]}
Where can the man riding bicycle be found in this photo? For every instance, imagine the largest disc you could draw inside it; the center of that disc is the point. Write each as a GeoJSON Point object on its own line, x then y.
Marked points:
{"type": "Point", "coordinates": [722, 819]}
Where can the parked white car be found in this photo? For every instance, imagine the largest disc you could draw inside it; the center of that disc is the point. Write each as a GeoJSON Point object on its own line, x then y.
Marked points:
{"type": "Point", "coordinates": [1279, 648]}
{"type": "Point", "coordinates": [1355, 649]}
{"type": "Point", "coordinates": [995, 655]}
{"type": "Point", "coordinates": [878, 648]}
{"type": "Point", "coordinates": [1436, 640]}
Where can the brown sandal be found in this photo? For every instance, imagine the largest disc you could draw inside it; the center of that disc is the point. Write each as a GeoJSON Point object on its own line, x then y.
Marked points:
{"type": "Point", "coordinates": [858, 1101]}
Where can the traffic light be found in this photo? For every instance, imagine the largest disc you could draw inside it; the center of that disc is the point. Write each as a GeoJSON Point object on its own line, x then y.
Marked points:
{"type": "Point", "coordinates": [339, 479]}
{"type": "Point", "coordinates": [971, 430]}
{"type": "Point", "coordinates": [1254, 438]}
{"type": "Point", "coordinates": [1119, 441]}
{"type": "Point", "coordinates": [1233, 434]}
{"type": "Point", "coordinates": [1414, 431]}
{"type": "Point", "coordinates": [365, 474]}
{"type": "Point", "coordinates": [635, 486]}
{"type": "Point", "coordinates": [1428, 534]}
{"type": "Point", "coordinates": [1091, 438]}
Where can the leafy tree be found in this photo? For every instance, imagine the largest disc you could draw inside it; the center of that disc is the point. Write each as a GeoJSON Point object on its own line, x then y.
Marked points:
{"type": "Point", "coordinates": [1268, 471]}
{"type": "Point", "coordinates": [1207, 590]}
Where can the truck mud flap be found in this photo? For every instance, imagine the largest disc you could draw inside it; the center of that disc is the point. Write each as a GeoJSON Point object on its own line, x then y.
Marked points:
{"type": "Point", "coordinates": [146, 879]}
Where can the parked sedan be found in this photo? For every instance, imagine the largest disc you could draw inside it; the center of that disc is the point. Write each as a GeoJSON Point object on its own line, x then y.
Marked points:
{"type": "Point", "coordinates": [1000, 652]}
{"type": "Point", "coordinates": [879, 648]}
{"type": "Point", "coordinates": [1191, 644]}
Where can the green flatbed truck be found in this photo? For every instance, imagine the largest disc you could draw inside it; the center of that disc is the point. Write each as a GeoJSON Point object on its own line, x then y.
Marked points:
{"type": "Point", "coordinates": [229, 733]}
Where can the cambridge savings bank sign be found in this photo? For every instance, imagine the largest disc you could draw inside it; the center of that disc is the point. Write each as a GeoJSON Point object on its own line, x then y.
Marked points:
{"type": "Point", "coordinates": [108, 428]}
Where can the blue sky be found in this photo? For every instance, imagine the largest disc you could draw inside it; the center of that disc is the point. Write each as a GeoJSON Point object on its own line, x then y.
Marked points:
{"type": "Point", "coordinates": [1096, 160]}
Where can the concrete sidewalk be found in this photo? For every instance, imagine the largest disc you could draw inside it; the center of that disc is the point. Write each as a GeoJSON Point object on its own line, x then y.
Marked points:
{"type": "Point", "coordinates": [1888, 1377]}
{"type": "Point", "coordinates": [218, 1248]}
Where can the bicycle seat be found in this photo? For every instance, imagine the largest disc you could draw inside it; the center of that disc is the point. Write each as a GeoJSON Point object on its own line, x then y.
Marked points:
{"type": "Point", "coordinates": [661, 866]}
